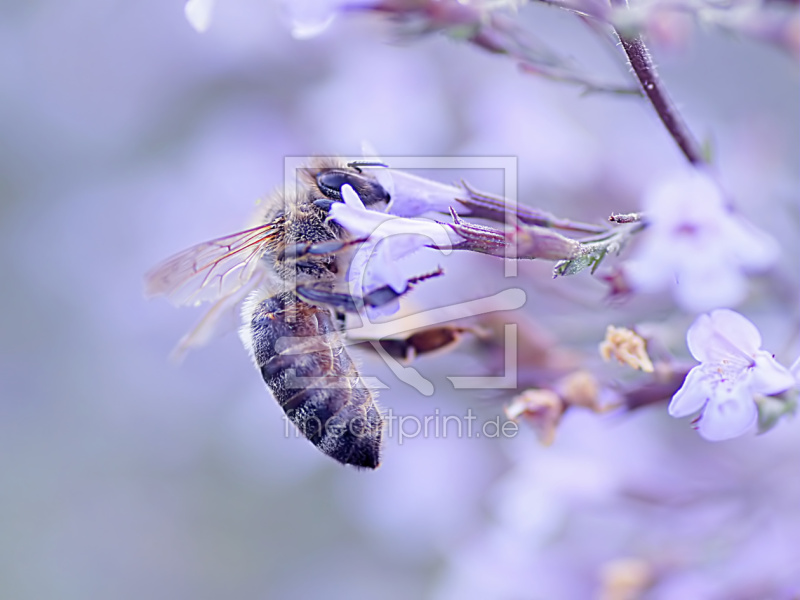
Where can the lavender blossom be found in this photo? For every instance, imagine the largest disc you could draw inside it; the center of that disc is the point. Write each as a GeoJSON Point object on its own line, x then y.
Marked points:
{"type": "Point", "coordinates": [732, 370]}
{"type": "Point", "coordinates": [414, 196]}
{"type": "Point", "coordinates": [389, 239]}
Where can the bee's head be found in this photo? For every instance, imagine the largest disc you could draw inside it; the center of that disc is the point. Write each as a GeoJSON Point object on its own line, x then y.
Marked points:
{"type": "Point", "coordinates": [330, 182]}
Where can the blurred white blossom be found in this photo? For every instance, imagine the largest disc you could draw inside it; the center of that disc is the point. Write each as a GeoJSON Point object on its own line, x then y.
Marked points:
{"type": "Point", "coordinates": [732, 370]}
{"type": "Point", "coordinates": [697, 245]}
{"type": "Point", "coordinates": [198, 13]}
{"type": "Point", "coordinates": [309, 18]}
{"type": "Point", "coordinates": [389, 239]}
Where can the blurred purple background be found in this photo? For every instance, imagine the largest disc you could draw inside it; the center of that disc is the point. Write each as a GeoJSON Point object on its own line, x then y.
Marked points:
{"type": "Point", "coordinates": [126, 136]}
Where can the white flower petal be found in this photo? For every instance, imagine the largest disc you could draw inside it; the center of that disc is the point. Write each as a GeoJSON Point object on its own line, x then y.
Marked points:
{"type": "Point", "coordinates": [383, 266]}
{"type": "Point", "coordinates": [373, 266]}
{"type": "Point", "coordinates": [728, 415]}
{"type": "Point", "coordinates": [700, 337]}
{"type": "Point", "coordinates": [688, 196]}
{"type": "Point", "coordinates": [351, 198]}
{"type": "Point", "coordinates": [425, 232]}
{"type": "Point", "coordinates": [360, 221]}
{"type": "Point", "coordinates": [733, 369]}
{"type": "Point", "coordinates": [737, 329]}
{"type": "Point", "coordinates": [692, 396]}
{"type": "Point", "coordinates": [369, 271]}
{"type": "Point", "coordinates": [304, 30]}
{"type": "Point", "coordinates": [701, 286]}
{"type": "Point", "coordinates": [198, 13]}
{"type": "Point", "coordinates": [752, 248]}
{"type": "Point", "coordinates": [650, 272]}
{"type": "Point", "coordinates": [723, 334]}
{"type": "Point", "coordinates": [795, 370]}
{"type": "Point", "coordinates": [769, 376]}
{"type": "Point", "coordinates": [389, 238]}
{"type": "Point", "coordinates": [400, 246]}
{"type": "Point", "coordinates": [308, 18]}
{"type": "Point", "coordinates": [357, 273]}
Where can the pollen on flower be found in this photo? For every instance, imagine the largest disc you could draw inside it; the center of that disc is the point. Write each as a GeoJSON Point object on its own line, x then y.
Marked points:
{"type": "Point", "coordinates": [628, 347]}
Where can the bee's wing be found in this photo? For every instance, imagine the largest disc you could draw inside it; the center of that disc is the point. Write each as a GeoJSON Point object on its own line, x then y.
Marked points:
{"type": "Point", "coordinates": [211, 270]}
{"type": "Point", "coordinates": [222, 317]}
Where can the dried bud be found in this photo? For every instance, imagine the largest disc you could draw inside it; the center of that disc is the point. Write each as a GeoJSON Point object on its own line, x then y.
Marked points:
{"type": "Point", "coordinates": [627, 347]}
{"type": "Point", "coordinates": [540, 409]}
{"type": "Point", "coordinates": [581, 389]}
{"type": "Point", "coordinates": [625, 579]}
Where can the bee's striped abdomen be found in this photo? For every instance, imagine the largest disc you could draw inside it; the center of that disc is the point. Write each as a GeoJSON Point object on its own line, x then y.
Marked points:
{"type": "Point", "coordinates": [303, 361]}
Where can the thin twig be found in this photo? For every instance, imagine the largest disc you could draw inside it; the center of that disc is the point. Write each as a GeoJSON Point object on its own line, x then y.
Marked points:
{"type": "Point", "coordinates": [645, 72]}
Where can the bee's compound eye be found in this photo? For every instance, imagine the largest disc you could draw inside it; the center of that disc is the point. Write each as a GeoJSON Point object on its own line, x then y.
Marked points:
{"type": "Point", "coordinates": [330, 183]}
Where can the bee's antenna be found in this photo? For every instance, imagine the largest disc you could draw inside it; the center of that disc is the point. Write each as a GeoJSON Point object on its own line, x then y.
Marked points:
{"type": "Point", "coordinates": [357, 164]}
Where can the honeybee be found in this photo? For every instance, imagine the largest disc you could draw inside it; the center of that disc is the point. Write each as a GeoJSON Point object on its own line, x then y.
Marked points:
{"type": "Point", "coordinates": [287, 272]}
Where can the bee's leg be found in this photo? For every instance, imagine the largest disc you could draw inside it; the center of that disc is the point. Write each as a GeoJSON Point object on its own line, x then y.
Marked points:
{"type": "Point", "coordinates": [346, 302]}
{"type": "Point", "coordinates": [318, 248]}
{"type": "Point", "coordinates": [343, 302]}
{"type": "Point", "coordinates": [341, 319]}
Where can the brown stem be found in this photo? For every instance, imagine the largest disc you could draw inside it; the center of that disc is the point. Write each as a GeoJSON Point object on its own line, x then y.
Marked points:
{"type": "Point", "coordinates": [651, 84]}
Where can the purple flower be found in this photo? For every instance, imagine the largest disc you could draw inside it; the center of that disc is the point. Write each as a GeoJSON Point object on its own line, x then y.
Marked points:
{"type": "Point", "coordinates": [732, 370]}
{"type": "Point", "coordinates": [389, 239]}
{"type": "Point", "coordinates": [413, 196]}
{"type": "Point", "coordinates": [697, 245]}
